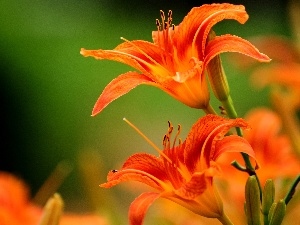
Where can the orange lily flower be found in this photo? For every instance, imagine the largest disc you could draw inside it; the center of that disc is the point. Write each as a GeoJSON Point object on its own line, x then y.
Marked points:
{"type": "Point", "coordinates": [282, 78]}
{"type": "Point", "coordinates": [273, 149]}
{"type": "Point", "coordinates": [184, 173]}
{"type": "Point", "coordinates": [273, 152]}
{"type": "Point", "coordinates": [17, 209]}
{"type": "Point", "coordinates": [176, 60]}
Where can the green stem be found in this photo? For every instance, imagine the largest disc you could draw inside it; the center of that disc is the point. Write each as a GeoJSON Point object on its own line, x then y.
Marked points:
{"type": "Point", "coordinates": [229, 107]}
{"type": "Point", "coordinates": [292, 190]}
{"type": "Point", "coordinates": [224, 219]}
{"type": "Point", "coordinates": [266, 219]}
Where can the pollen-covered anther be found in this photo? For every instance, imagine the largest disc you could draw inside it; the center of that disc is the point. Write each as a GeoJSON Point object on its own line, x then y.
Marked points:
{"type": "Point", "coordinates": [176, 136]}
{"type": "Point", "coordinates": [170, 128]}
{"type": "Point", "coordinates": [170, 18]}
{"type": "Point", "coordinates": [162, 16]}
{"type": "Point", "coordinates": [158, 25]}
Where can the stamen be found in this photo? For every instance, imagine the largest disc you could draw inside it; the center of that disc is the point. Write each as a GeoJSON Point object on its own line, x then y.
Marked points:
{"type": "Point", "coordinates": [170, 128]}
{"type": "Point", "coordinates": [158, 25]}
{"type": "Point", "coordinates": [166, 25]}
{"type": "Point", "coordinates": [167, 136]}
{"type": "Point", "coordinates": [149, 141]}
{"type": "Point", "coordinates": [165, 141]}
{"type": "Point", "coordinates": [162, 15]}
{"type": "Point", "coordinates": [154, 146]}
{"type": "Point", "coordinates": [170, 18]}
{"type": "Point", "coordinates": [177, 134]}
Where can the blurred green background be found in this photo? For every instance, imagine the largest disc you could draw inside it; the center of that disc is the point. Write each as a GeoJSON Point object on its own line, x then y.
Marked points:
{"type": "Point", "coordinates": [48, 89]}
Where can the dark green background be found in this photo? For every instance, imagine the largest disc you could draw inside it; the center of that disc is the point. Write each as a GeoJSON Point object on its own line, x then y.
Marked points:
{"type": "Point", "coordinates": [48, 89]}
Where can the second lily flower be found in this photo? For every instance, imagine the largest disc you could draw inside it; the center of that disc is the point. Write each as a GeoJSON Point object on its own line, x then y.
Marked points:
{"type": "Point", "coordinates": [184, 173]}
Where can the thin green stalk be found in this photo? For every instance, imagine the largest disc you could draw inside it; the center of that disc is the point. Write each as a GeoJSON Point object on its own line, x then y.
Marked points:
{"type": "Point", "coordinates": [292, 190]}
{"type": "Point", "coordinates": [229, 107]}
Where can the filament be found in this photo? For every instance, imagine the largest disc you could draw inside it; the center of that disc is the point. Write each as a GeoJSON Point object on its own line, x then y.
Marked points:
{"type": "Point", "coordinates": [153, 145]}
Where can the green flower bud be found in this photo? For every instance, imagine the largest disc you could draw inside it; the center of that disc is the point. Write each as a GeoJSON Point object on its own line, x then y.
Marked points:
{"type": "Point", "coordinates": [252, 205]}
{"type": "Point", "coordinates": [277, 212]}
{"type": "Point", "coordinates": [268, 196]}
{"type": "Point", "coordinates": [217, 76]}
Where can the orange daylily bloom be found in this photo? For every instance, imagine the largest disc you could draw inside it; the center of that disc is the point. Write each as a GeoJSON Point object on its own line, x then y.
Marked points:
{"type": "Point", "coordinates": [176, 60]}
{"type": "Point", "coordinates": [273, 152]}
{"type": "Point", "coordinates": [283, 79]}
{"type": "Point", "coordinates": [273, 148]}
{"type": "Point", "coordinates": [184, 173]}
{"type": "Point", "coordinates": [286, 75]}
{"type": "Point", "coordinates": [16, 208]}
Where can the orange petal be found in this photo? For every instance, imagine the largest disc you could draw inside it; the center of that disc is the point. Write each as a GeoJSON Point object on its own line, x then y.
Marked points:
{"type": "Point", "coordinates": [265, 125]}
{"type": "Point", "coordinates": [143, 50]}
{"type": "Point", "coordinates": [112, 55]}
{"type": "Point", "coordinates": [144, 56]}
{"type": "Point", "coordinates": [284, 74]}
{"type": "Point", "coordinates": [144, 168]}
{"type": "Point", "coordinates": [203, 137]}
{"type": "Point", "coordinates": [232, 143]}
{"type": "Point", "coordinates": [199, 21]}
{"type": "Point", "coordinates": [278, 48]}
{"type": "Point", "coordinates": [231, 43]}
{"type": "Point", "coordinates": [139, 207]}
{"type": "Point", "coordinates": [197, 137]}
{"type": "Point", "coordinates": [196, 186]}
{"type": "Point", "coordinates": [118, 87]}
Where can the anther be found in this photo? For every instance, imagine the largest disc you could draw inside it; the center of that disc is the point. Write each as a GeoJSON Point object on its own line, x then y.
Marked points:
{"type": "Point", "coordinates": [170, 18]}
{"type": "Point", "coordinates": [158, 25]}
{"type": "Point", "coordinates": [170, 14]}
{"type": "Point", "coordinates": [170, 126]}
{"type": "Point", "coordinates": [177, 134]}
{"type": "Point", "coordinates": [162, 15]}
{"type": "Point", "coordinates": [114, 171]}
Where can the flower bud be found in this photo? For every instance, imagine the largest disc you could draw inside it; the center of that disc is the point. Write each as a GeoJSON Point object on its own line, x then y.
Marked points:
{"type": "Point", "coordinates": [217, 76]}
{"type": "Point", "coordinates": [52, 211]}
{"type": "Point", "coordinates": [277, 212]}
{"type": "Point", "coordinates": [252, 205]}
{"type": "Point", "coordinates": [268, 196]}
